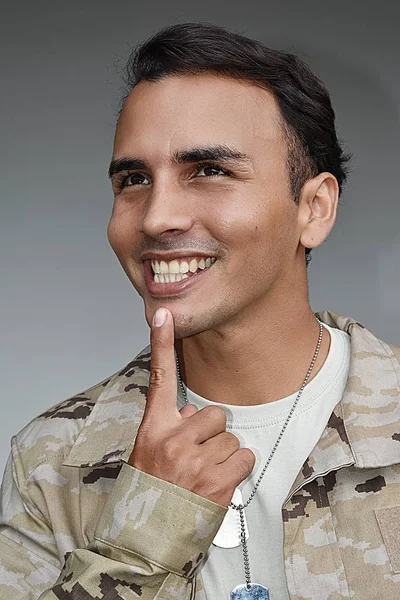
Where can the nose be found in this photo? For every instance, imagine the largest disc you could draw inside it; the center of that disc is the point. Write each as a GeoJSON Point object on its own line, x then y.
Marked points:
{"type": "Point", "coordinates": [167, 210]}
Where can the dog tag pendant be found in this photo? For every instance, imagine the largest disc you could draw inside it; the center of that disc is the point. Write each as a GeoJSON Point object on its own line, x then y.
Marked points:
{"type": "Point", "coordinates": [228, 535]}
{"type": "Point", "coordinates": [254, 592]}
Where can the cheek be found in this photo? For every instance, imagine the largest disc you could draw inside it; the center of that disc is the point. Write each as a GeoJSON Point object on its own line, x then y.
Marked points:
{"type": "Point", "coordinates": [112, 234]}
{"type": "Point", "coordinates": [261, 235]}
{"type": "Point", "coordinates": [233, 222]}
{"type": "Point", "coordinates": [246, 225]}
{"type": "Point", "coordinates": [120, 236]}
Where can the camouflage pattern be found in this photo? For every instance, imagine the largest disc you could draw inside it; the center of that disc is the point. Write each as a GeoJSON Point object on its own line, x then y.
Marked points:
{"type": "Point", "coordinates": [79, 523]}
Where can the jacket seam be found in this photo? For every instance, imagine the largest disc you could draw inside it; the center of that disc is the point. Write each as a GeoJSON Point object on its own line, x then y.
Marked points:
{"type": "Point", "coordinates": [349, 443]}
{"type": "Point", "coordinates": [41, 462]}
{"type": "Point", "coordinates": [83, 534]}
{"type": "Point", "coordinates": [135, 553]}
{"type": "Point", "coordinates": [195, 504]}
{"type": "Point", "coordinates": [188, 500]}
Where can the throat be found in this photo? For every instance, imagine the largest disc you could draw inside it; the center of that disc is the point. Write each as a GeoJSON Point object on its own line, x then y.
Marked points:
{"type": "Point", "coordinates": [255, 377]}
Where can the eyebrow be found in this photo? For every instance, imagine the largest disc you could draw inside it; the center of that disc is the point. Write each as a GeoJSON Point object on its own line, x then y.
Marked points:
{"type": "Point", "coordinates": [219, 153]}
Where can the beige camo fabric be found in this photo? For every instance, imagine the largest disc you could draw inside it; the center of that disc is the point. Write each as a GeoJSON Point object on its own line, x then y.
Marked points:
{"type": "Point", "coordinates": [77, 522]}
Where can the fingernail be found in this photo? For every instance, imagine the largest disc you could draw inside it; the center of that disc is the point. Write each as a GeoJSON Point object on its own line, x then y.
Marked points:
{"type": "Point", "coordinates": [160, 317]}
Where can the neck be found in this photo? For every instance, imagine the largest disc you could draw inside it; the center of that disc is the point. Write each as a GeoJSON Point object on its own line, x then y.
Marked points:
{"type": "Point", "coordinates": [256, 362]}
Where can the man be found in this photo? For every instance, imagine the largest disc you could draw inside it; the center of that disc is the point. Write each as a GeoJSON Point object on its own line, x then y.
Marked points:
{"type": "Point", "coordinates": [226, 173]}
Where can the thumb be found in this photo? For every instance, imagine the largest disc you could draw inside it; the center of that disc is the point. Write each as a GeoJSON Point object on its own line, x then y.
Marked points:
{"type": "Point", "coordinates": [161, 395]}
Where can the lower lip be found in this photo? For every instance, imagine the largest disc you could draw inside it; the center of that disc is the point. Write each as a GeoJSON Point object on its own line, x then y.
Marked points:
{"type": "Point", "coordinates": [162, 290]}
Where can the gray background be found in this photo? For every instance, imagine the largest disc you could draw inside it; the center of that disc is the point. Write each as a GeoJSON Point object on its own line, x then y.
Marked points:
{"type": "Point", "coordinates": [69, 316]}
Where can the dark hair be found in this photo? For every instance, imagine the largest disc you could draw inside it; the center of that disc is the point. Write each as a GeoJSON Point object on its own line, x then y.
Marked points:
{"type": "Point", "coordinates": [308, 118]}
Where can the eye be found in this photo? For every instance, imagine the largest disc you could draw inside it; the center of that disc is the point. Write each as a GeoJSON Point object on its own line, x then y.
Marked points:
{"type": "Point", "coordinates": [210, 170]}
{"type": "Point", "coordinates": [134, 179]}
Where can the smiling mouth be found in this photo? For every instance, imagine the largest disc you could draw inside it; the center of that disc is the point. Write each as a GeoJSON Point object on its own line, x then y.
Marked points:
{"type": "Point", "coordinates": [171, 278]}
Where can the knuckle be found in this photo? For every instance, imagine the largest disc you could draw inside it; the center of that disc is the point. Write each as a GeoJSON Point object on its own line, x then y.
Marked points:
{"type": "Point", "coordinates": [197, 465]}
{"type": "Point", "coordinates": [218, 488]}
{"type": "Point", "coordinates": [158, 376]}
{"type": "Point", "coordinates": [233, 440]}
{"type": "Point", "coordinates": [209, 485]}
{"type": "Point", "coordinates": [215, 412]}
{"type": "Point", "coordinates": [247, 460]}
{"type": "Point", "coordinates": [170, 447]}
{"type": "Point", "coordinates": [226, 438]}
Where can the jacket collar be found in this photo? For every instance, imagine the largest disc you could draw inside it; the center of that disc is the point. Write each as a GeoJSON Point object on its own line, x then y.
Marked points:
{"type": "Point", "coordinates": [363, 430]}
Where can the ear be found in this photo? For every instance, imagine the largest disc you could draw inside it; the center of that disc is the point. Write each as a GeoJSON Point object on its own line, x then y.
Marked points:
{"type": "Point", "coordinates": [317, 209]}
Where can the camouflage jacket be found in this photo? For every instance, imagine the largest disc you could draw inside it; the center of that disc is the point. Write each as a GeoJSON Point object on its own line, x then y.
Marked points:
{"type": "Point", "coordinates": [79, 523]}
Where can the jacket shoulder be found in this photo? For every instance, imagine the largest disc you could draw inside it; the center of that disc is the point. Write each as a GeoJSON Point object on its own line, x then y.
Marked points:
{"type": "Point", "coordinates": [52, 433]}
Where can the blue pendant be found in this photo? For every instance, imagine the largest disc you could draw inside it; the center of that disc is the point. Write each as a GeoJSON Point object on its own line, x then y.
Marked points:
{"type": "Point", "coordinates": [255, 592]}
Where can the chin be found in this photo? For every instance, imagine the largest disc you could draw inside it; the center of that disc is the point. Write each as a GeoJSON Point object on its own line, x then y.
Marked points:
{"type": "Point", "coordinates": [185, 325]}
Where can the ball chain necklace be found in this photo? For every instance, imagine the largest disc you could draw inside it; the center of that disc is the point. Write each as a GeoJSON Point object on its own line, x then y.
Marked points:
{"type": "Point", "coordinates": [249, 590]}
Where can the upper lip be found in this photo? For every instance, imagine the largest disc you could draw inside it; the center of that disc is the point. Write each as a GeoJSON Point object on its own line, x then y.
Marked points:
{"type": "Point", "coordinates": [168, 256]}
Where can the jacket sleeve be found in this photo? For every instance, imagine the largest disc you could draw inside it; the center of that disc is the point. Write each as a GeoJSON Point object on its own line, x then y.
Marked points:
{"type": "Point", "coordinates": [149, 542]}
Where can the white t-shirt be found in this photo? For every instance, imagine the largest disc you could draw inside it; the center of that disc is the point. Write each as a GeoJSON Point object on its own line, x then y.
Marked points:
{"type": "Point", "coordinates": [258, 427]}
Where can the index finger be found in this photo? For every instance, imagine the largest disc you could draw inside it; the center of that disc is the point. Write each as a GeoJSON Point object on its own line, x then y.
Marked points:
{"type": "Point", "coordinates": [161, 395]}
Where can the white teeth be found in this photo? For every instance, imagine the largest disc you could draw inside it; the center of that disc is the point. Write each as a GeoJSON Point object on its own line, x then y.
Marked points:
{"type": "Point", "coordinates": [175, 270]}
{"type": "Point", "coordinates": [193, 266]}
{"type": "Point", "coordinates": [155, 265]}
{"type": "Point", "coordinates": [174, 266]}
{"type": "Point", "coordinates": [184, 267]}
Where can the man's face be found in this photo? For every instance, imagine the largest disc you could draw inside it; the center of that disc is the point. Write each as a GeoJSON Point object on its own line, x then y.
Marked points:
{"type": "Point", "coordinates": [175, 211]}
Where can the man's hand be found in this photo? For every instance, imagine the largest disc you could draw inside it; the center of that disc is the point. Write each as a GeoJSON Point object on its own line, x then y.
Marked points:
{"type": "Point", "coordinates": [190, 448]}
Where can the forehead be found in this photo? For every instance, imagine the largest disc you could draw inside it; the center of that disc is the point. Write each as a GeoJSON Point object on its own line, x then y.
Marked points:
{"type": "Point", "coordinates": [177, 112]}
